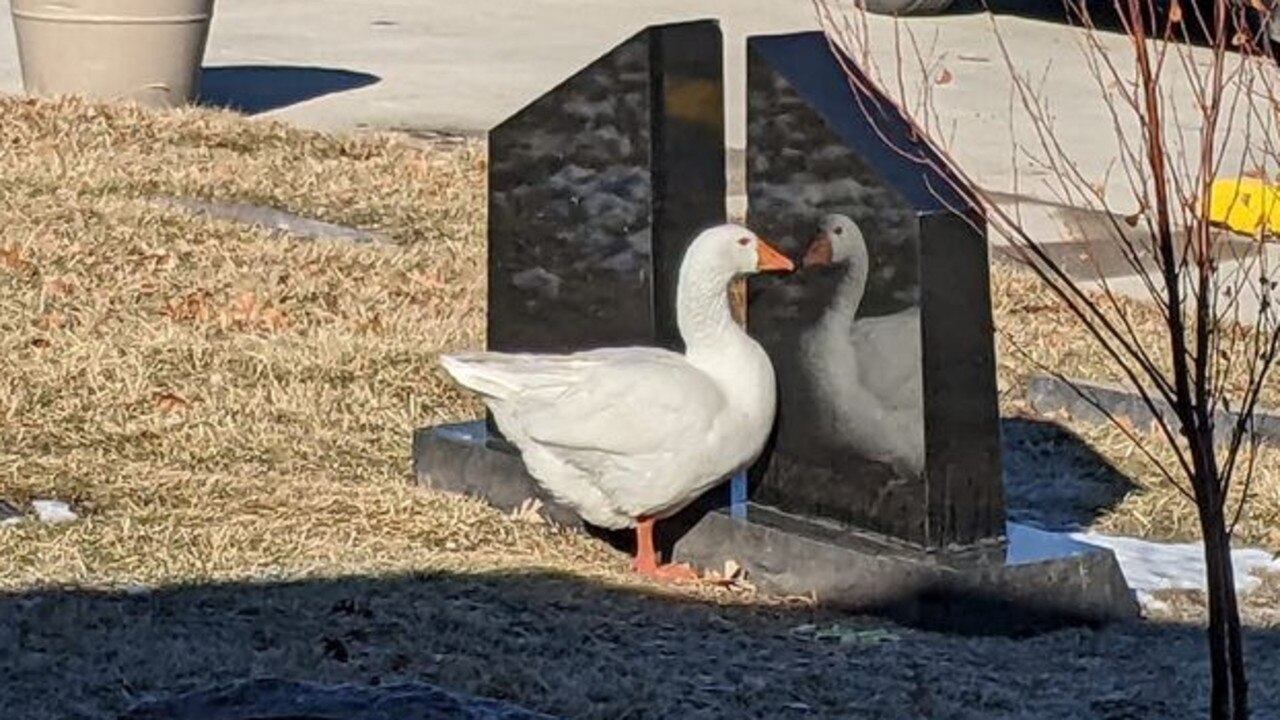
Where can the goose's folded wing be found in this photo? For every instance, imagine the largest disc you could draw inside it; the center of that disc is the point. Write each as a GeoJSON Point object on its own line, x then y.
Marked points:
{"type": "Point", "coordinates": [888, 352]}
{"type": "Point", "coordinates": [625, 403]}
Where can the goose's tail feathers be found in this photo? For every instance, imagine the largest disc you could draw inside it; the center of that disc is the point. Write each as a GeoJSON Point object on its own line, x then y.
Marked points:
{"type": "Point", "coordinates": [483, 373]}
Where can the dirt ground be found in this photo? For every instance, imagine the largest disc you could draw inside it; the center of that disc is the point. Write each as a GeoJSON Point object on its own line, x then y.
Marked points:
{"type": "Point", "coordinates": [229, 411]}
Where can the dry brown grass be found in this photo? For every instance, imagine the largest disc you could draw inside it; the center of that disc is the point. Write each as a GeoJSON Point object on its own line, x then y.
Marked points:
{"type": "Point", "coordinates": [1036, 333]}
{"type": "Point", "coordinates": [221, 402]}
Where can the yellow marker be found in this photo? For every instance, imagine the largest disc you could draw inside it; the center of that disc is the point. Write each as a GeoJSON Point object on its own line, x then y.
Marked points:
{"type": "Point", "coordinates": [1246, 205]}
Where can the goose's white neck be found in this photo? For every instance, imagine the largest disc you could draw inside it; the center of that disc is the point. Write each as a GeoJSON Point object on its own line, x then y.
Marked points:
{"type": "Point", "coordinates": [848, 296]}
{"type": "Point", "coordinates": [703, 314]}
{"type": "Point", "coordinates": [719, 347]}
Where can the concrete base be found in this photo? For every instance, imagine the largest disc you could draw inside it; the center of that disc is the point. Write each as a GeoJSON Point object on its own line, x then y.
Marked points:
{"type": "Point", "coordinates": [1007, 588]}
{"type": "Point", "coordinates": [999, 590]}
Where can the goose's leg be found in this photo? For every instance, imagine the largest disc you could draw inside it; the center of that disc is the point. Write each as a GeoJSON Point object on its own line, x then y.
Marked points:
{"type": "Point", "coordinates": [646, 562]}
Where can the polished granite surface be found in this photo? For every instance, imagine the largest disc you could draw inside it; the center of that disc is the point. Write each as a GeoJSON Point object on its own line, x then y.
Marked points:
{"type": "Point", "coordinates": [882, 342]}
{"type": "Point", "coordinates": [596, 188]}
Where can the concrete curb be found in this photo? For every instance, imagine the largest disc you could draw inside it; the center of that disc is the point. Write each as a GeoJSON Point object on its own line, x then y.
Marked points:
{"type": "Point", "coordinates": [1081, 399]}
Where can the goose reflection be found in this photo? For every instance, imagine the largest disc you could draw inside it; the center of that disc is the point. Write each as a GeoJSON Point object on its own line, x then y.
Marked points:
{"type": "Point", "coordinates": [866, 371]}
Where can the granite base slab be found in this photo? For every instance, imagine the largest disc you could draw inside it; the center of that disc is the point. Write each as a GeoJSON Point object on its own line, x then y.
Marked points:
{"type": "Point", "coordinates": [1005, 588]}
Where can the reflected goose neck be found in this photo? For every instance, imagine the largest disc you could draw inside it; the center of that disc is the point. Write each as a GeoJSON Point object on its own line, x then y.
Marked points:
{"type": "Point", "coordinates": [851, 287]}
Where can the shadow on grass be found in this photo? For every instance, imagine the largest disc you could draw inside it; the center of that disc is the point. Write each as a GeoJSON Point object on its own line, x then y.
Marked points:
{"type": "Point", "coordinates": [1054, 479]}
{"type": "Point", "coordinates": [253, 89]}
{"type": "Point", "coordinates": [576, 649]}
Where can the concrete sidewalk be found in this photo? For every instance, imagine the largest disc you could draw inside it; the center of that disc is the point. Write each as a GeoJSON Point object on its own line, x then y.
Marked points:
{"type": "Point", "coordinates": [441, 65]}
{"type": "Point", "coordinates": [437, 65]}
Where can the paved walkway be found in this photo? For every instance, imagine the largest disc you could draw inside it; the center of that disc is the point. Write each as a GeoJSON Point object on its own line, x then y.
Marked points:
{"type": "Point", "coordinates": [447, 65]}
{"type": "Point", "coordinates": [444, 64]}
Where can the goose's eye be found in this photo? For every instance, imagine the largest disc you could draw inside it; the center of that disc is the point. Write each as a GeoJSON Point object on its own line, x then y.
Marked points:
{"type": "Point", "coordinates": [744, 241]}
{"type": "Point", "coordinates": [839, 230]}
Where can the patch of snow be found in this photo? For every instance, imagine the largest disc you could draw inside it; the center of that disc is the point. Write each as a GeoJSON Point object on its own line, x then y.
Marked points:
{"type": "Point", "coordinates": [1147, 566]}
{"type": "Point", "coordinates": [136, 589]}
{"type": "Point", "coordinates": [1028, 544]}
{"type": "Point", "coordinates": [1150, 566]}
{"type": "Point", "coordinates": [53, 511]}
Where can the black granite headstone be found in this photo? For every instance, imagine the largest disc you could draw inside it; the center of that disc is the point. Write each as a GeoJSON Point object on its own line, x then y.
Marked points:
{"type": "Point", "coordinates": [595, 190]}
{"type": "Point", "coordinates": [597, 187]}
{"type": "Point", "coordinates": [888, 417]}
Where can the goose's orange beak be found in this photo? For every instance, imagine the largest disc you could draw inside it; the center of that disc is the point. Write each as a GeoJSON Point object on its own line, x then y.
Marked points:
{"type": "Point", "coordinates": [819, 252]}
{"type": "Point", "coordinates": [768, 258]}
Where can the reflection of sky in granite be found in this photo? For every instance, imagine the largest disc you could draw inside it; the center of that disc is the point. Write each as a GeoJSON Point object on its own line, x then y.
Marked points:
{"type": "Point", "coordinates": [830, 419]}
{"type": "Point", "coordinates": [570, 211]}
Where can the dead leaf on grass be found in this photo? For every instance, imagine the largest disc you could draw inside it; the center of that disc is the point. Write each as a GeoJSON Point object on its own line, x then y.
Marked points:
{"type": "Point", "coordinates": [1127, 424]}
{"type": "Point", "coordinates": [371, 326]}
{"type": "Point", "coordinates": [192, 306]}
{"type": "Point", "coordinates": [157, 260]}
{"type": "Point", "coordinates": [429, 279]}
{"type": "Point", "coordinates": [58, 286]}
{"type": "Point", "coordinates": [732, 576]}
{"type": "Point", "coordinates": [528, 512]}
{"type": "Point", "coordinates": [11, 258]}
{"type": "Point", "coordinates": [51, 321]}
{"type": "Point", "coordinates": [170, 402]}
{"type": "Point", "coordinates": [1034, 309]}
{"type": "Point", "coordinates": [245, 308]}
{"type": "Point", "coordinates": [247, 312]}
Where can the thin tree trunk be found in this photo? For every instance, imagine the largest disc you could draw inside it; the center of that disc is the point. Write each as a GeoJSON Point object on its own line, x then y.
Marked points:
{"type": "Point", "coordinates": [1235, 646]}
{"type": "Point", "coordinates": [1219, 665]}
{"type": "Point", "coordinates": [1229, 699]}
{"type": "Point", "coordinates": [1229, 619]}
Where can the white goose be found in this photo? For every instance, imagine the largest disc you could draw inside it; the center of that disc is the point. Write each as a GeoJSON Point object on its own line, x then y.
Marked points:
{"type": "Point", "coordinates": [626, 436]}
{"type": "Point", "coordinates": [867, 370]}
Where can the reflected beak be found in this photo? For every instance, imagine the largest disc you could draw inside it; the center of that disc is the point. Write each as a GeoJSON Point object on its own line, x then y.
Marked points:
{"type": "Point", "coordinates": [768, 258]}
{"type": "Point", "coordinates": [819, 252]}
